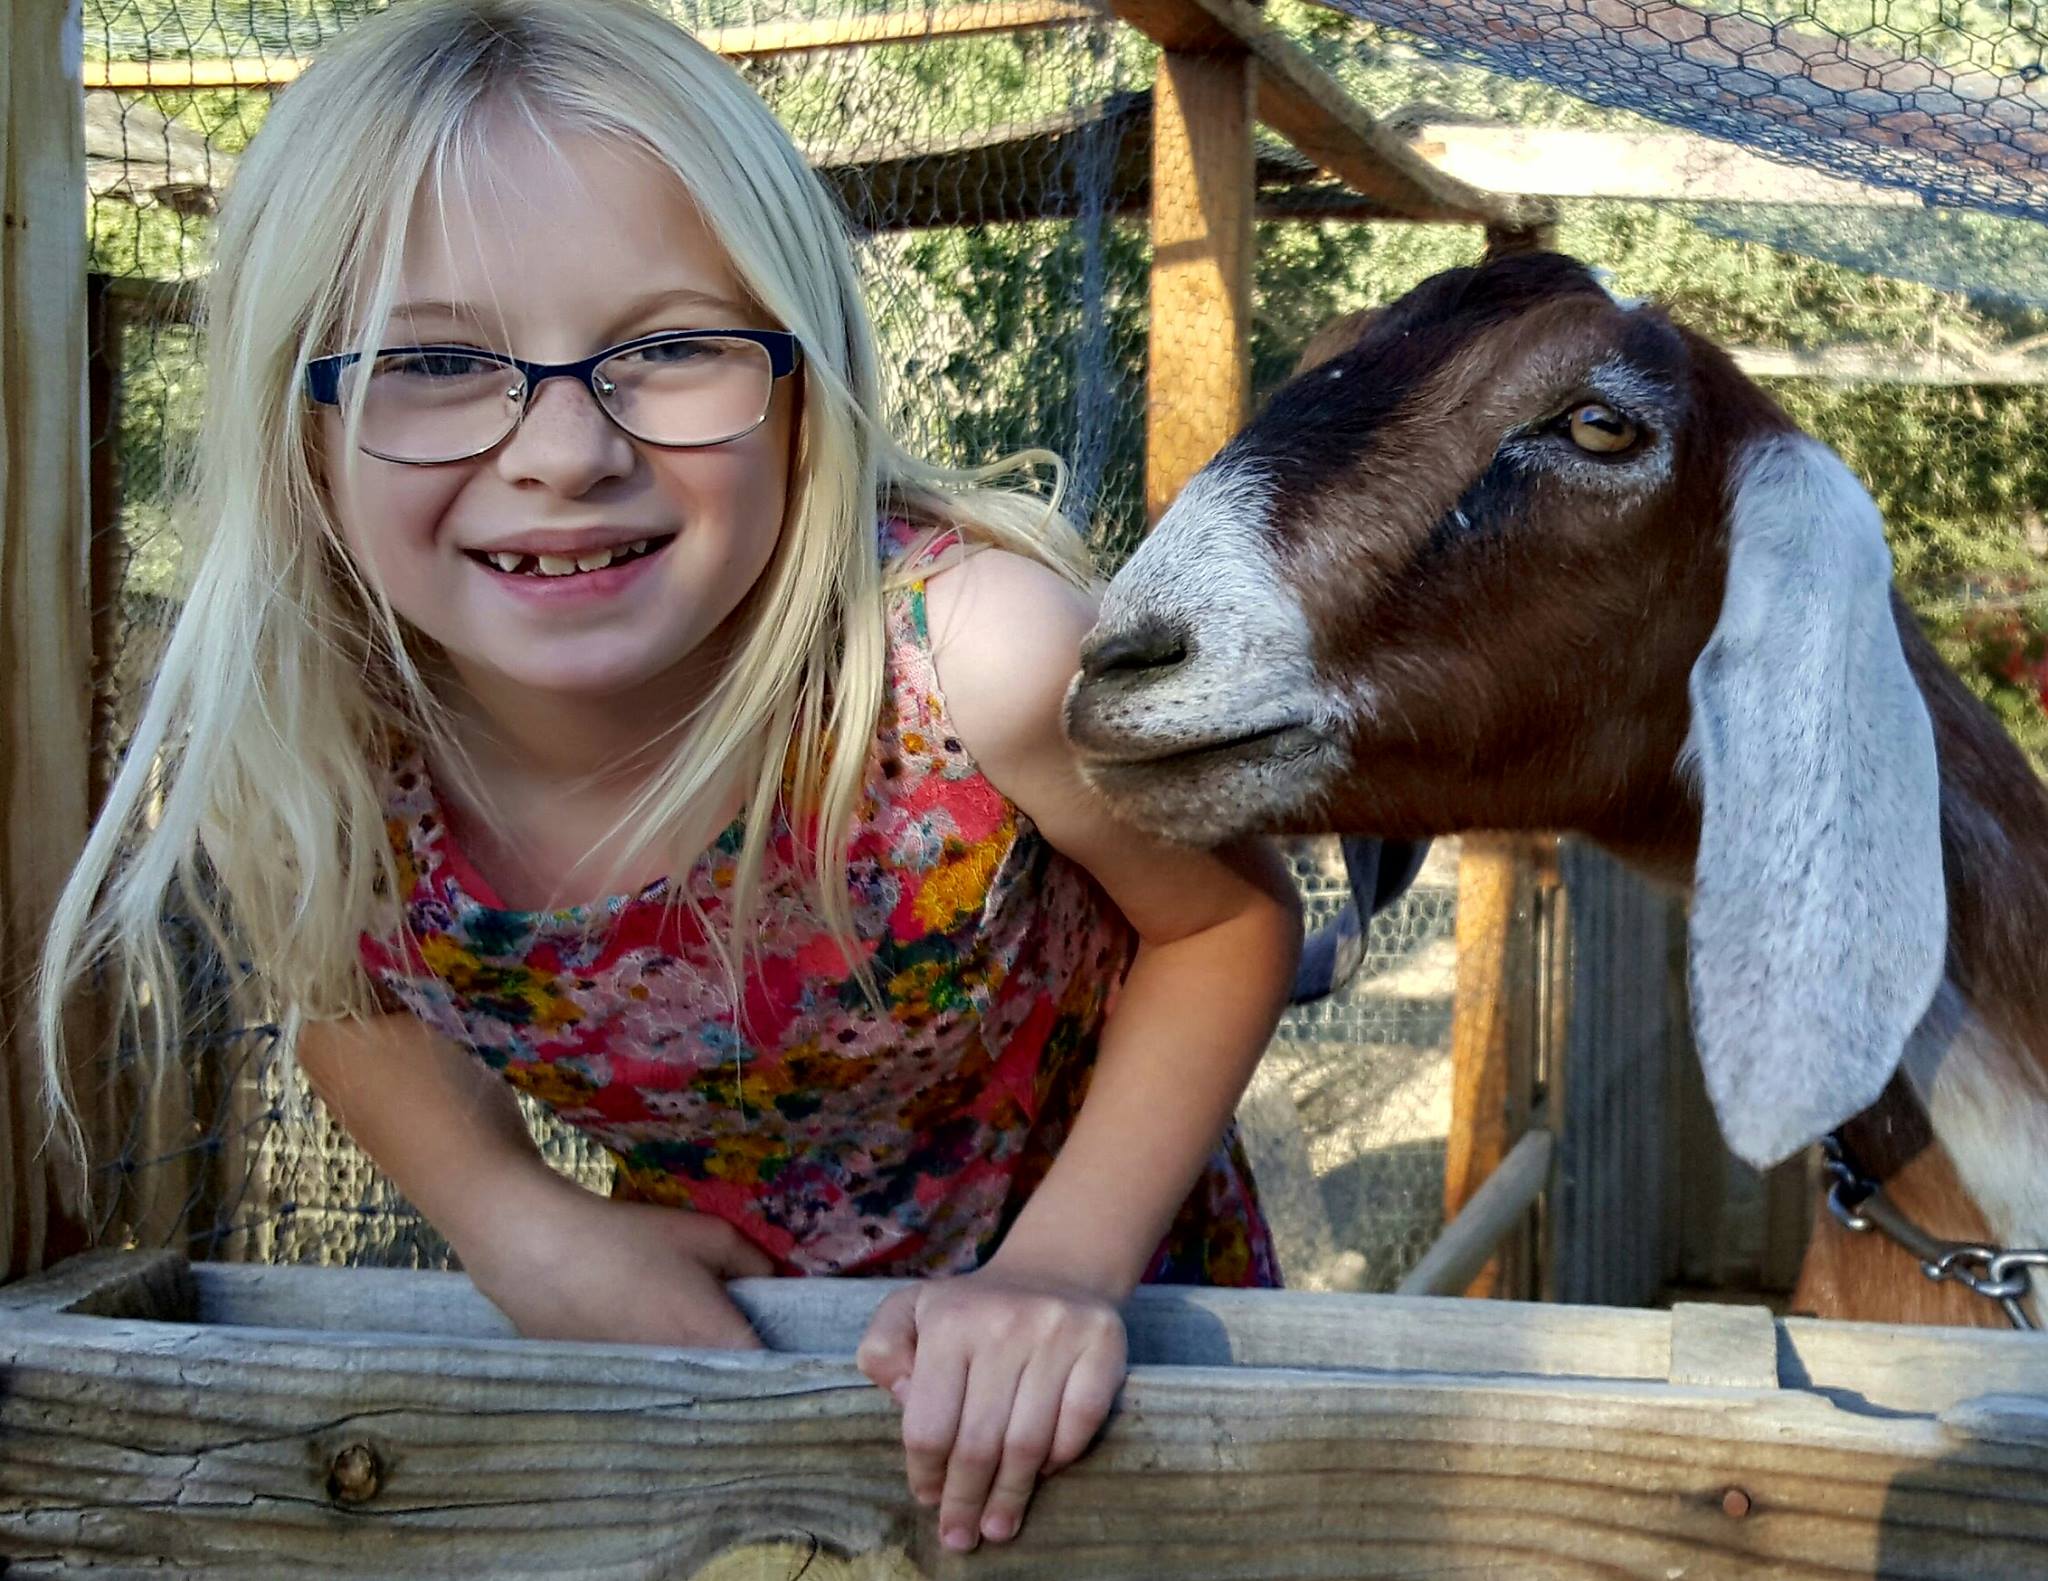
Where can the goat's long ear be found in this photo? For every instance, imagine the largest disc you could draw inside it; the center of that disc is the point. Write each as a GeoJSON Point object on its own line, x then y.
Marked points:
{"type": "Point", "coordinates": [1819, 921]}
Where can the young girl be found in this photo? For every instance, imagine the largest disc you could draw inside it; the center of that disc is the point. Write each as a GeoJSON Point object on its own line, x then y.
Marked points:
{"type": "Point", "coordinates": [551, 549]}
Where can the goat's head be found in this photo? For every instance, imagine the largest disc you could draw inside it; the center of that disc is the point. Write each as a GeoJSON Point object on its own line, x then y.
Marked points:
{"type": "Point", "coordinates": [1511, 554]}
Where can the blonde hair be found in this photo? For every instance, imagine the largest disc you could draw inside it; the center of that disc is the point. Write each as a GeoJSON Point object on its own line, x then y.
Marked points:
{"type": "Point", "coordinates": [251, 797]}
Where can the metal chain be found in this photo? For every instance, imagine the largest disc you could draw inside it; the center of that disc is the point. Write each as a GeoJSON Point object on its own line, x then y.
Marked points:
{"type": "Point", "coordinates": [1994, 1272]}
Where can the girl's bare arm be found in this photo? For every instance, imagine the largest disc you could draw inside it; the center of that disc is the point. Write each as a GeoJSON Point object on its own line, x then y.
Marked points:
{"type": "Point", "coordinates": [560, 1261]}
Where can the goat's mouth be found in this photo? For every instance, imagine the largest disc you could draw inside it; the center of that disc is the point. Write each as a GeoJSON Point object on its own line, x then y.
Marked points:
{"type": "Point", "coordinates": [1209, 789]}
{"type": "Point", "coordinates": [1106, 752]}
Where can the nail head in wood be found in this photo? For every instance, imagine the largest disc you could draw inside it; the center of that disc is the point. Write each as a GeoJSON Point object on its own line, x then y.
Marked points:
{"type": "Point", "coordinates": [1735, 1503]}
{"type": "Point", "coordinates": [355, 1475]}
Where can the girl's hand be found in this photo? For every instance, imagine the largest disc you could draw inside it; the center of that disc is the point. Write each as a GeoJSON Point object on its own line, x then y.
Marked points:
{"type": "Point", "coordinates": [569, 1264]}
{"type": "Point", "coordinates": [1002, 1377]}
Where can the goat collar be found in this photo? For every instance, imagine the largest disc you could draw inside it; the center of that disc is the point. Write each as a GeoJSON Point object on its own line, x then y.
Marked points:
{"type": "Point", "coordinates": [1997, 1273]}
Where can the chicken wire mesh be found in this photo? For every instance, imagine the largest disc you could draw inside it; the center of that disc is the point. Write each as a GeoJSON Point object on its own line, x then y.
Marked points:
{"type": "Point", "coordinates": [1867, 237]}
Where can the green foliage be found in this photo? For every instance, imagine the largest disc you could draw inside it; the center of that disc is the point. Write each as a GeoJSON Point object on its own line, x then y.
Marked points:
{"type": "Point", "coordinates": [1997, 639]}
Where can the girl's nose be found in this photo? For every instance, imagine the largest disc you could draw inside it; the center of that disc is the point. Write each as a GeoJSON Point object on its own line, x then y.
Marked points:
{"type": "Point", "coordinates": [565, 442]}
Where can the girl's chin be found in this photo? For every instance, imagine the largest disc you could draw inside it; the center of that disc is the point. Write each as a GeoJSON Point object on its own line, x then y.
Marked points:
{"type": "Point", "coordinates": [554, 676]}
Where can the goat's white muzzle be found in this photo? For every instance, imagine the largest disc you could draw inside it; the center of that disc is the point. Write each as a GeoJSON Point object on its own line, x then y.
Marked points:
{"type": "Point", "coordinates": [1197, 712]}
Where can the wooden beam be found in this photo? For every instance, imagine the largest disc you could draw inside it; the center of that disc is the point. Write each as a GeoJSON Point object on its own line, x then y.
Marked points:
{"type": "Point", "coordinates": [739, 43]}
{"type": "Point", "coordinates": [1311, 109]}
{"type": "Point", "coordinates": [1019, 171]}
{"type": "Point", "coordinates": [45, 614]}
{"type": "Point", "coordinates": [1627, 1443]}
{"type": "Point", "coordinates": [1877, 365]}
{"type": "Point", "coordinates": [1198, 358]}
{"type": "Point", "coordinates": [1649, 167]}
{"type": "Point", "coordinates": [1493, 1030]}
{"type": "Point", "coordinates": [1888, 1369]}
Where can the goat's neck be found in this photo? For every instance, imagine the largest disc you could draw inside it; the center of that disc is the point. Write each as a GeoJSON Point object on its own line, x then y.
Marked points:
{"type": "Point", "coordinates": [1978, 1063]}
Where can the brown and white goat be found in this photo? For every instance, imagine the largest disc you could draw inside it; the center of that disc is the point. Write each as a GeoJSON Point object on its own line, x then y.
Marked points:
{"type": "Point", "coordinates": [1514, 555]}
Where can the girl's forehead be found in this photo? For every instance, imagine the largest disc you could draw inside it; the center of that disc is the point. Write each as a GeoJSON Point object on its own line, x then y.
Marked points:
{"type": "Point", "coordinates": [526, 226]}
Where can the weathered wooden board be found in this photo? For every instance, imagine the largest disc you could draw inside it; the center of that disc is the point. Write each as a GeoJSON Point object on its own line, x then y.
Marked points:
{"type": "Point", "coordinates": [200, 1446]}
{"type": "Point", "coordinates": [45, 622]}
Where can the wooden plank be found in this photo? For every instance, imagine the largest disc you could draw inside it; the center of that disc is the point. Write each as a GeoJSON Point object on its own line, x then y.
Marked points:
{"type": "Point", "coordinates": [1647, 167]}
{"type": "Point", "coordinates": [1895, 1367]}
{"type": "Point", "coordinates": [155, 1285]}
{"type": "Point", "coordinates": [45, 618]}
{"type": "Point", "coordinates": [1198, 356]}
{"type": "Point", "coordinates": [1179, 1327]}
{"type": "Point", "coordinates": [1497, 1209]}
{"type": "Point", "coordinates": [1307, 106]}
{"type": "Point", "coordinates": [990, 175]}
{"type": "Point", "coordinates": [2000, 1419]}
{"type": "Point", "coordinates": [1493, 1027]}
{"type": "Point", "coordinates": [239, 1455]}
{"type": "Point", "coordinates": [1724, 1347]}
{"type": "Point", "coordinates": [741, 43]}
{"type": "Point", "coordinates": [1879, 1367]}
{"type": "Point", "coordinates": [1878, 365]}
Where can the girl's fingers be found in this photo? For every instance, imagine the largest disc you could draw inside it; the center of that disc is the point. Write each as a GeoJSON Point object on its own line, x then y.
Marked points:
{"type": "Point", "coordinates": [1027, 1441]}
{"type": "Point", "coordinates": [1091, 1390]}
{"type": "Point", "coordinates": [888, 1350]}
{"type": "Point", "coordinates": [932, 1403]}
{"type": "Point", "coordinates": [992, 1379]}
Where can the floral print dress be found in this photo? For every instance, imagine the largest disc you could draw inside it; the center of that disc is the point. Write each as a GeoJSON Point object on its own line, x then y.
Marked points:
{"type": "Point", "coordinates": [838, 1139]}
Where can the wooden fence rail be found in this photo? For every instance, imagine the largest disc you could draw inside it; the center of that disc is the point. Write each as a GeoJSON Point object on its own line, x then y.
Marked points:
{"type": "Point", "coordinates": [270, 1422]}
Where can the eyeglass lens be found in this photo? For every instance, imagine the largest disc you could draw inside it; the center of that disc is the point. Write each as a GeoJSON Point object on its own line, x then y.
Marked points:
{"type": "Point", "coordinates": [434, 405]}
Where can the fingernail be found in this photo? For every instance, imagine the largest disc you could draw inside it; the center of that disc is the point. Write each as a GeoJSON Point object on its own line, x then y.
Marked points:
{"type": "Point", "coordinates": [999, 1528]}
{"type": "Point", "coordinates": [958, 1538]}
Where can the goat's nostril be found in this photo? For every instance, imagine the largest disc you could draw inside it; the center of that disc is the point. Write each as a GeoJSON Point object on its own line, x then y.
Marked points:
{"type": "Point", "coordinates": [1149, 645]}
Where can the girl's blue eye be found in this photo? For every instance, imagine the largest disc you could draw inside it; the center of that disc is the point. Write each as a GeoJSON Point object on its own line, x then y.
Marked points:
{"type": "Point", "coordinates": [425, 364]}
{"type": "Point", "coordinates": [674, 351]}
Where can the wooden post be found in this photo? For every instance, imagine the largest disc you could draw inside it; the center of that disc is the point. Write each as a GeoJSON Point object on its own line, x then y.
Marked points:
{"type": "Point", "coordinates": [45, 652]}
{"type": "Point", "coordinates": [1493, 1032]}
{"type": "Point", "coordinates": [1199, 349]}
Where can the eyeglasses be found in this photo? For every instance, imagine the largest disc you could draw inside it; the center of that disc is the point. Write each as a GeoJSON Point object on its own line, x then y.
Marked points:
{"type": "Point", "coordinates": [682, 388]}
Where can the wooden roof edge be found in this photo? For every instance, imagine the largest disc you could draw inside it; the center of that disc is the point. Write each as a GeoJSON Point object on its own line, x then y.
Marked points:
{"type": "Point", "coordinates": [1308, 106]}
{"type": "Point", "coordinates": [258, 70]}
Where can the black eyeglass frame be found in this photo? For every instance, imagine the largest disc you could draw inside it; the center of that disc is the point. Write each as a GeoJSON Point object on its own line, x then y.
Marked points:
{"type": "Point", "coordinates": [785, 356]}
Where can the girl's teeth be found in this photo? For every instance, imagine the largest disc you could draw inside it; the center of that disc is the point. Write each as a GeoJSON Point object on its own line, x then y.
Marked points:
{"type": "Point", "coordinates": [512, 562]}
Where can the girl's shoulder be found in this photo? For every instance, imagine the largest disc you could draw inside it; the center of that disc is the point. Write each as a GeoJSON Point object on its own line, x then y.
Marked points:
{"type": "Point", "coordinates": [1004, 633]}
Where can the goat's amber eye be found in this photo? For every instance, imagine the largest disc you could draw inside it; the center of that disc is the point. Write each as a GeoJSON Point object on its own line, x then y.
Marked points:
{"type": "Point", "coordinates": [1601, 429]}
